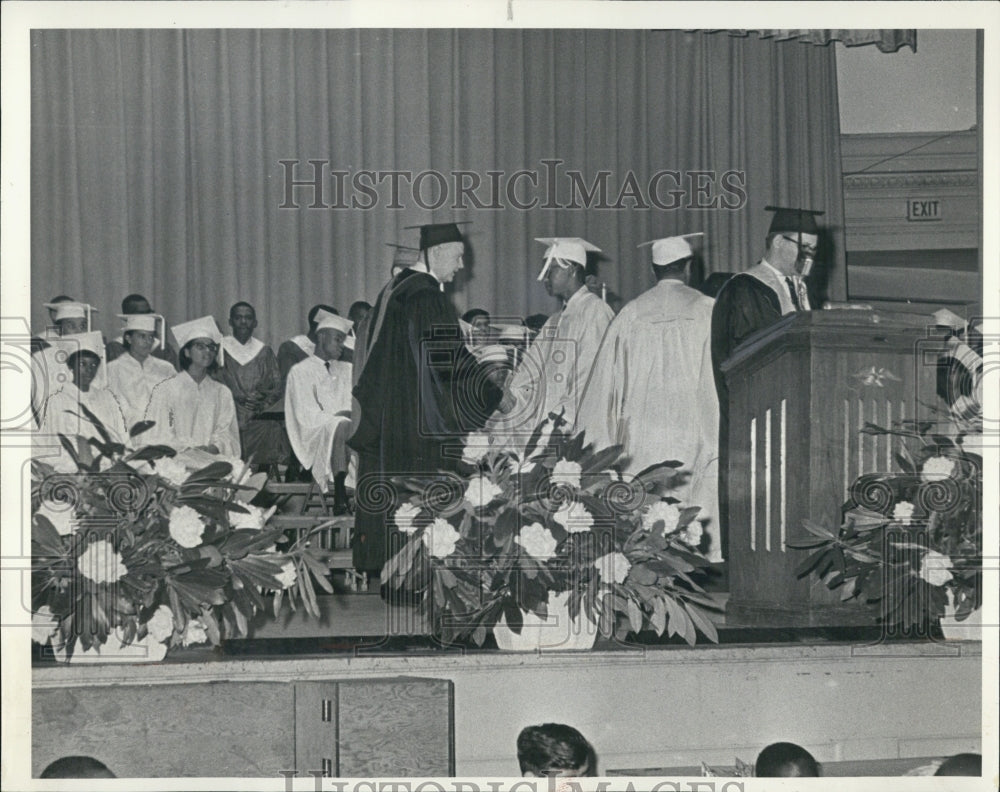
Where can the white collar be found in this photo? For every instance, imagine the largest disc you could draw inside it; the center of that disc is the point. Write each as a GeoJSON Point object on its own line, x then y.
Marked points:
{"type": "Point", "coordinates": [575, 295]}
{"type": "Point", "coordinates": [242, 353]}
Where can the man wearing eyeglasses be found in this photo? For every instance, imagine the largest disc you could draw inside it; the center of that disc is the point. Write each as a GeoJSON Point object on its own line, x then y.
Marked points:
{"type": "Point", "coordinates": [754, 300]}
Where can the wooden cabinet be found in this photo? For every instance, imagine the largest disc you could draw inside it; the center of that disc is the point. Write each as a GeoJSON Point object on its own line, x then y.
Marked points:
{"type": "Point", "coordinates": [381, 727]}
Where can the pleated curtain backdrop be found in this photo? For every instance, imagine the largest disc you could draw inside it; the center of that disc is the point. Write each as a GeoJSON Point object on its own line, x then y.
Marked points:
{"type": "Point", "coordinates": [157, 156]}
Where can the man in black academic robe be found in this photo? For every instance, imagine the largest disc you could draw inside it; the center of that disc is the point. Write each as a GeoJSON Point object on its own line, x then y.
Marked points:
{"type": "Point", "coordinates": [420, 390]}
{"type": "Point", "coordinates": [752, 301]}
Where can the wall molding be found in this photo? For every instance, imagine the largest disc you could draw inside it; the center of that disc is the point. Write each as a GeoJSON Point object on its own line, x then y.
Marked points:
{"type": "Point", "coordinates": [881, 181]}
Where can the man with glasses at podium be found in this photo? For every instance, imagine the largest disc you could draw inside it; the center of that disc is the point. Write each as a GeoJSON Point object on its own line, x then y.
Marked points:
{"type": "Point", "coordinates": [754, 300]}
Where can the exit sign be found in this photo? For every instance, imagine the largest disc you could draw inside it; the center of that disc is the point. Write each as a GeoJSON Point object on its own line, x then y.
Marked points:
{"type": "Point", "coordinates": [921, 210]}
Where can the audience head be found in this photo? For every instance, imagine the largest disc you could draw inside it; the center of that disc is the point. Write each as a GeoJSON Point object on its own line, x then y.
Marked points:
{"type": "Point", "coordinates": [312, 317]}
{"type": "Point", "coordinates": [963, 764]}
{"type": "Point", "coordinates": [331, 332]}
{"type": "Point", "coordinates": [83, 365]}
{"type": "Point", "coordinates": [554, 749]}
{"type": "Point", "coordinates": [786, 760]}
{"type": "Point", "coordinates": [139, 334]}
{"type": "Point", "coordinates": [77, 767]}
{"type": "Point", "coordinates": [136, 304]}
{"type": "Point", "coordinates": [243, 321]}
{"type": "Point", "coordinates": [70, 317]}
{"type": "Point", "coordinates": [357, 312]}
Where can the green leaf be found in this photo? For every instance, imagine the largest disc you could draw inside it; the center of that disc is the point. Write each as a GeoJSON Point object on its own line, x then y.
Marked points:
{"type": "Point", "coordinates": [151, 453]}
{"type": "Point", "coordinates": [139, 427]}
{"type": "Point", "coordinates": [634, 616]}
{"type": "Point", "coordinates": [658, 620]}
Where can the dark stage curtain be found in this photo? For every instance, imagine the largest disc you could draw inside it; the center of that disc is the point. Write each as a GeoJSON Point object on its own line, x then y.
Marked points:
{"type": "Point", "coordinates": [156, 158]}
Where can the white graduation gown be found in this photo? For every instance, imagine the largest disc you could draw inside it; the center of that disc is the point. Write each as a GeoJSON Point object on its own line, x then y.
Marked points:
{"type": "Point", "coordinates": [651, 390]}
{"type": "Point", "coordinates": [554, 369]}
{"type": "Point", "coordinates": [61, 415]}
{"type": "Point", "coordinates": [313, 398]}
{"type": "Point", "coordinates": [189, 414]}
{"type": "Point", "coordinates": [132, 384]}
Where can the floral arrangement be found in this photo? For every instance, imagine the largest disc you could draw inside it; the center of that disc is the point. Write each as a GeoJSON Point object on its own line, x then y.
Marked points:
{"type": "Point", "coordinates": [136, 547]}
{"type": "Point", "coordinates": [494, 545]}
{"type": "Point", "coordinates": [910, 544]}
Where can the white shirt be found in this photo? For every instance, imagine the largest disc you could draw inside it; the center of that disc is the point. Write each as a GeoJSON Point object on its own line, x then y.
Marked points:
{"type": "Point", "coordinates": [61, 415]}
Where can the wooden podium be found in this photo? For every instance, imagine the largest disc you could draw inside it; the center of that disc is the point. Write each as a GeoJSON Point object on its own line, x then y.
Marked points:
{"type": "Point", "coordinates": [799, 394]}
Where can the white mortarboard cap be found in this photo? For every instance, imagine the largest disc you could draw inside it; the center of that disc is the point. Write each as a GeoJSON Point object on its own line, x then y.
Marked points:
{"type": "Point", "coordinates": [320, 315]}
{"type": "Point", "coordinates": [671, 249]}
{"type": "Point", "coordinates": [81, 342]}
{"type": "Point", "coordinates": [71, 310]}
{"type": "Point", "coordinates": [203, 327]}
{"type": "Point", "coordinates": [947, 318]}
{"type": "Point", "coordinates": [146, 322]}
{"type": "Point", "coordinates": [349, 342]}
{"type": "Point", "coordinates": [567, 248]}
{"type": "Point", "coordinates": [334, 322]}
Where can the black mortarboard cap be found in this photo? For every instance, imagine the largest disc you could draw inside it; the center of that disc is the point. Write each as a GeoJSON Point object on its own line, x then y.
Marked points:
{"type": "Point", "coordinates": [435, 234]}
{"type": "Point", "coordinates": [795, 221]}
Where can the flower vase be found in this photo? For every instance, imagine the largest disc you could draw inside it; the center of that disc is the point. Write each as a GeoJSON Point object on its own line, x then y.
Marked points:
{"type": "Point", "coordinates": [555, 632]}
{"type": "Point", "coordinates": [968, 629]}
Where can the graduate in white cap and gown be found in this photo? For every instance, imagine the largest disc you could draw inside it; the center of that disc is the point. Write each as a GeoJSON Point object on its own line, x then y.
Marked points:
{"type": "Point", "coordinates": [132, 376]}
{"type": "Point", "coordinates": [551, 375]}
{"type": "Point", "coordinates": [302, 346]}
{"type": "Point", "coordinates": [49, 371]}
{"type": "Point", "coordinates": [191, 410]}
{"type": "Point", "coordinates": [61, 412]}
{"type": "Point", "coordinates": [651, 388]}
{"type": "Point", "coordinates": [318, 409]}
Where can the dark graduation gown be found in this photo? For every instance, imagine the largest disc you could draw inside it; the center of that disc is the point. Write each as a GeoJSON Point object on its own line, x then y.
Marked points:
{"type": "Point", "coordinates": [420, 392]}
{"type": "Point", "coordinates": [743, 307]}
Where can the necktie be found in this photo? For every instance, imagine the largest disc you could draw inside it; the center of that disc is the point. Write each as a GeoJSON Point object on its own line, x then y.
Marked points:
{"type": "Point", "coordinates": [327, 364]}
{"type": "Point", "coordinates": [799, 299]}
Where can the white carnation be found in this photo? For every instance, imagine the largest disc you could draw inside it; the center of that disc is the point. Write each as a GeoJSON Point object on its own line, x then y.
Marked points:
{"type": "Point", "coordinates": [405, 516]}
{"type": "Point", "coordinates": [43, 625]}
{"type": "Point", "coordinates": [172, 471]}
{"type": "Point", "coordinates": [194, 633]}
{"type": "Point", "coordinates": [613, 567]}
{"type": "Point", "coordinates": [566, 472]}
{"type": "Point", "coordinates": [903, 512]}
{"type": "Point", "coordinates": [101, 563]}
{"type": "Point", "coordinates": [937, 468]}
{"type": "Point", "coordinates": [440, 537]}
{"type": "Point", "coordinates": [693, 532]}
{"type": "Point", "coordinates": [934, 568]}
{"type": "Point", "coordinates": [476, 446]}
{"type": "Point", "coordinates": [481, 491]}
{"type": "Point", "coordinates": [664, 512]}
{"type": "Point", "coordinates": [61, 516]}
{"type": "Point", "coordinates": [254, 518]}
{"type": "Point", "coordinates": [161, 624]}
{"type": "Point", "coordinates": [537, 541]}
{"type": "Point", "coordinates": [287, 576]}
{"type": "Point", "coordinates": [574, 517]}
{"type": "Point", "coordinates": [186, 526]}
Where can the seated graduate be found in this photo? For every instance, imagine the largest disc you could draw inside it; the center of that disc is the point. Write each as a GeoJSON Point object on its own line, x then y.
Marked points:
{"type": "Point", "coordinates": [250, 370]}
{"type": "Point", "coordinates": [785, 760]}
{"type": "Point", "coordinates": [191, 410]}
{"type": "Point", "coordinates": [41, 341]}
{"type": "Point", "coordinates": [555, 750]}
{"type": "Point", "coordinates": [301, 346]}
{"type": "Point", "coordinates": [318, 409]}
{"type": "Point", "coordinates": [61, 413]}
{"type": "Point", "coordinates": [132, 376]}
{"type": "Point", "coordinates": [48, 365]}
{"type": "Point", "coordinates": [137, 304]}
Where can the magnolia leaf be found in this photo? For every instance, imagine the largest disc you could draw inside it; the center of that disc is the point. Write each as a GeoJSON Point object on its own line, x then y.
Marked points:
{"type": "Point", "coordinates": [151, 453]}
{"type": "Point", "coordinates": [479, 635]}
{"type": "Point", "coordinates": [644, 574]}
{"type": "Point", "coordinates": [686, 628]}
{"type": "Point", "coordinates": [98, 424]}
{"type": "Point", "coordinates": [817, 529]}
{"type": "Point", "coordinates": [71, 450]}
{"type": "Point", "coordinates": [658, 620]}
{"type": "Point", "coordinates": [46, 537]}
{"type": "Point", "coordinates": [278, 595]}
{"type": "Point", "coordinates": [210, 474]}
{"type": "Point", "coordinates": [811, 562]}
{"type": "Point", "coordinates": [139, 427]}
{"type": "Point", "coordinates": [702, 622]}
{"type": "Point", "coordinates": [211, 626]}
{"type": "Point", "coordinates": [512, 615]}
{"type": "Point", "coordinates": [675, 616]}
{"type": "Point", "coordinates": [601, 460]}
{"type": "Point", "coordinates": [634, 616]}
